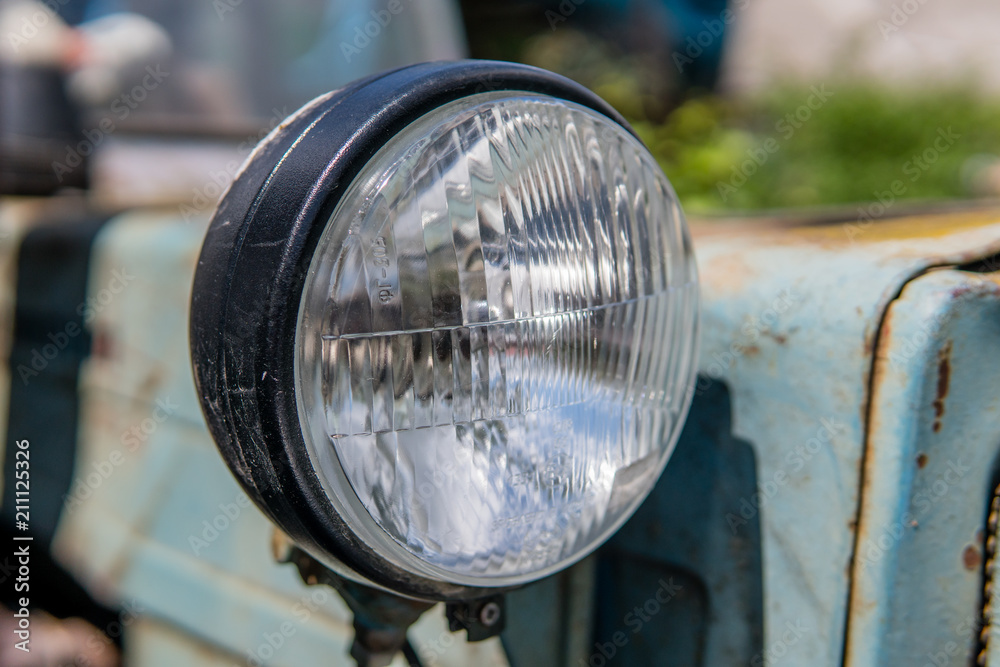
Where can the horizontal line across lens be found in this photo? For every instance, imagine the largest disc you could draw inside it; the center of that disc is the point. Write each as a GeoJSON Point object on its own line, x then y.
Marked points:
{"type": "Point", "coordinates": [516, 320]}
{"type": "Point", "coordinates": [400, 381]}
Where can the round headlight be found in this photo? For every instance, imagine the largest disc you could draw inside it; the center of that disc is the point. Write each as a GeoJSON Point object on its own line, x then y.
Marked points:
{"type": "Point", "coordinates": [444, 326]}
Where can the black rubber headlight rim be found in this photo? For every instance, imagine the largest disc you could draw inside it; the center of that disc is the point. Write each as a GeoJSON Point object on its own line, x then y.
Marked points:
{"type": "Point", "coordinates": [250, 277]}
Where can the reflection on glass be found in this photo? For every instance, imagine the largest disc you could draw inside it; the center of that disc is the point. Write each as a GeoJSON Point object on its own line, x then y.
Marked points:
{"type": "Point", "coordinates": [497, 334]}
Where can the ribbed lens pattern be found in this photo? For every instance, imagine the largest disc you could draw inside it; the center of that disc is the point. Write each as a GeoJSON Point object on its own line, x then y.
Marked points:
{"type": "Point", "coordinates": [496, 338]}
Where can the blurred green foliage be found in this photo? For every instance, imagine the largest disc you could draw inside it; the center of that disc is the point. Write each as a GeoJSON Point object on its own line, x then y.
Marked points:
{"type": "Point", "coordinates": [858, 143]}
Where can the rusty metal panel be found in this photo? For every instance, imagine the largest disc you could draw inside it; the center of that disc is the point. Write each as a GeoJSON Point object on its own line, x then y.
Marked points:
{"type": "Point", "coordinates": [791, 314]}
{"type": "Point", "coordinates": [930, 470]}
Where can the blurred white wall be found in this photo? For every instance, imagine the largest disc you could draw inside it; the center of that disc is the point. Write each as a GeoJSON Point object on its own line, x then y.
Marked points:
{"type": "Point", "coordinates": [896, 42]}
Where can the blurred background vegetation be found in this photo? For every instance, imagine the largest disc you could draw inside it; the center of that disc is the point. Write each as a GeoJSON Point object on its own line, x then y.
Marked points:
{"type": "Point", "coordinates": [853, 147]}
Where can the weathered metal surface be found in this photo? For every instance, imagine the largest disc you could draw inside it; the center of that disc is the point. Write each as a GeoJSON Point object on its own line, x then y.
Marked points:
{"type": "Point", "coordinates": [154, 519]}
{"type": "Point", "coordinates": [930, 469]}
{"type": "Point", "coordinates": [790, 318]}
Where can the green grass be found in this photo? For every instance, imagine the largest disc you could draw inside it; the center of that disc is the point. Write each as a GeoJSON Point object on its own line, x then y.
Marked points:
{"type": "Point", "coordinates": [859, 142]}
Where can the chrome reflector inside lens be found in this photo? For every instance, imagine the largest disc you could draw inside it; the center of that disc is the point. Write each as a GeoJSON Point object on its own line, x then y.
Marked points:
{"type": "Point", "coordinates": [496, 339]}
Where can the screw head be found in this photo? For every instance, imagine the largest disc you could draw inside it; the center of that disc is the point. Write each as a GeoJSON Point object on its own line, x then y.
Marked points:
{"type": "Point", "coordinates": [489, 614]}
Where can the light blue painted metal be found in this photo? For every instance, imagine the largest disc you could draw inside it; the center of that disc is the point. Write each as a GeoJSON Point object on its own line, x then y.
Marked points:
{"type": "Point", "coordinates": [792, 316]}
{"type": "Point", "coordinates": [790, 319]}
{"type": "Point", "coordinates": [930, 473]}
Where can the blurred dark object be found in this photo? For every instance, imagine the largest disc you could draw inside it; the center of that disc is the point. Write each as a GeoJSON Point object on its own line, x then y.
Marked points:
{"type": "Point", "coordinates": [51, 342]}
{"type": "Point", "coordinates": [39, 127]}
{"type": "Point", "coordinates": [644, 56]}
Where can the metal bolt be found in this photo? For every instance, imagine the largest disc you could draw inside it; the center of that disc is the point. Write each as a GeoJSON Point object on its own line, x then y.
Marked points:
{"type": "Point", "coordinates": [489, 614]}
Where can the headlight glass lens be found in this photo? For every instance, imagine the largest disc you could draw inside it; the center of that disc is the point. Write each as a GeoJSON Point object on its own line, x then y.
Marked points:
{"type": "Point", "coordinates": [496, 339]}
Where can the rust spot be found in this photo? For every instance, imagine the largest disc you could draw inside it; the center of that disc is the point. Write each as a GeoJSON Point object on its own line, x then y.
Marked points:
{"type": "Point", "coordinates": [869, 342]}
{"type": "Point", "coordinates": [780, 339]}
{"type": "Point", "coordinates": [731, 272]}
{"type": "Point", "coordinates": [921, 460]}
{"type": "Point", "coordinates": [971, 558]}
{"type": "Point", "coordinates": [873, 334]}
{"type": "Point", "coordinates": [751, 350]}
{"type": "Point", "coordinates": [150, 384]}
{"type": "Point", "coordinates": [944, 377]}
{"type": "Point", "coordinates": [101, 346]}
{"type": "Point", "coordinates": [980, 534]}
